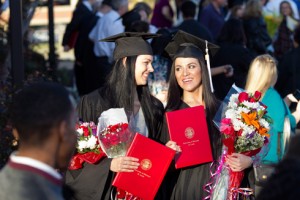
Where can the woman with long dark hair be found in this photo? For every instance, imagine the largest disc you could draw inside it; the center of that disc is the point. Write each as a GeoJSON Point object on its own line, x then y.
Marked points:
{"type": "Point", "coordinates": [126, 88]}
{"type": "Point", "coordinates": [189, 86]}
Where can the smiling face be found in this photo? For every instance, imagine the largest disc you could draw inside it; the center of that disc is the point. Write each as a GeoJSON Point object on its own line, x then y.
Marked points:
{"type": "Point", "coordinates": [143, 67]}
{"type": "Point", "coordinates": [188, 74]}
{"type": "Point", "coordinates": [285, 9]}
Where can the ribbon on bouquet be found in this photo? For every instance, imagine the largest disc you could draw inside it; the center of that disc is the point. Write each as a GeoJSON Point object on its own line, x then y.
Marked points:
{"type": "Point", "coordinates": [246, 192]}
{"type": "Point", "coordinates": [210, 185]}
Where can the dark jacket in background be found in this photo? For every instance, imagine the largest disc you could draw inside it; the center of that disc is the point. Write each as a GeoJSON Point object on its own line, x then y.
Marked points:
{"type": "Point", "coordinates": [194, 27]}
{"type": "Point", "coordinates": [257, 36]}
{"type": "Point", "coordinates": [289, 73]}
{"type": "Point", "coordinates": [240, 58]}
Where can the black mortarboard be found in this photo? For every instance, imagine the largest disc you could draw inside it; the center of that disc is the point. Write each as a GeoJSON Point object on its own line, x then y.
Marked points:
{"type": "Point", "coordinates": [232, 3]}
{"type": "Point", "coordinates": [129, 17]}
{"type": "Point", "coordinates": [107, 2]}
{"type": "Point", "coordinates": [186, 45]}
{"type": "Point", "coordinates": [131, 44]}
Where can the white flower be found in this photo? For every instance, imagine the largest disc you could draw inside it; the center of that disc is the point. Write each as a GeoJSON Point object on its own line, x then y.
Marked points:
{"type": "Point", "coordinates": [247, 130]}
{"type": "Point", "coordinates": [82, 144]}
{"type": "Point", "coordinates": [232, 105]}
{"type": "Point", "coordinates": [243, 109]}
{"type": "Point", "coordinates": [86, 124]}
{"type": "Point", "coordinates": [237, 124]}
{"type": "Point", "coordinates": [91, 143]}
{"type": "Point", "coordinates": [230, 113]}
{"type": "Point", "coordinates": [79, 131]}
{"type": "Point", "coordinates": [234, 98]}
{"type": "Point", "coordinates": [251, 105]}
{"type": "Point", "coordinates": [264, 123]}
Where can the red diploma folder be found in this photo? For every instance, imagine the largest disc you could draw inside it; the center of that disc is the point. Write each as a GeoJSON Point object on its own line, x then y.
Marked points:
{"type": "Point", "coordinates": [188, 128]}
{"type": "Point", "coordinates": [154, 161]}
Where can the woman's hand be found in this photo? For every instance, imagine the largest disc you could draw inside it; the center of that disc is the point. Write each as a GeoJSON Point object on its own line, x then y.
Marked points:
{"type": "Point", "coordinates": [174, 146]}
{"type": "Point", "coordinates": [124, 164]}
{"type": "Point", "coordinates": [296, 113]}
{"type": "Point", "coordinates": [238, 162]}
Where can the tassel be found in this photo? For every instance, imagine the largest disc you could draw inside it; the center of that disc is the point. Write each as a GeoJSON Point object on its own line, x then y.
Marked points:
{"type": "Point", "coordinates": [208, 67]}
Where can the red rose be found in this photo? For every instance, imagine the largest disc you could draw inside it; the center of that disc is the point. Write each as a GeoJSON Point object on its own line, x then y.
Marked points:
{"type": "Point", "coordinates": [252, 100]}
{"type": "Point", "coordinates": [114, 139]}
{"type": "Point", "coordinates": [257, 95]}
{"type": "Point", "coordinates": [86, 132]}
{"type": "Point", "coordinates": [243, 96]}
{"type": "Point", "coordinates": [105, 142]}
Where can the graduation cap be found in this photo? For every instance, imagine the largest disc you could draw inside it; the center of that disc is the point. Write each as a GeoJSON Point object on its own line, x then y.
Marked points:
{"type": "Point", "coordinates": [129, 17]}
{"type": "Point", "coordinates": [186, 45]}
{"type": "Point", "coordinates": [107, 2]}
{"type": "Point", "coordinates": [232, 3]}
{"type": "Point", "coordinates": [131, 44]}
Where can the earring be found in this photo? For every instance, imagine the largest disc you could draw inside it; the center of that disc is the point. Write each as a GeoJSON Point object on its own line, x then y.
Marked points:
{"type": "Point", "coordinates": [15, 142]}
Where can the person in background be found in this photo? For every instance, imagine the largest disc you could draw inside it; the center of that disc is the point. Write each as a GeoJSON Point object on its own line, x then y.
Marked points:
{"type": "Point", "coordinates": [233, 51]}
{"type": "Point", "coordinates": [43, 120]}
{"type": "Point", "coordinates": [283, 41]}
{"type": "Point", "coordinates": [126, 88]}
{"type": "Point", "coordinates": [162, 14]}
{"type": "Point", "coordinates": [258, 39]}
{"type": "Point", "coordinates": [289, 72]}
{"type": "Point", "coordinates": [213, 18]}
{"type": "Point", "coordinates": [285, 182]}
{"type": "Point", "coordinates": [236, 9]}
{"type": "Point", "coordinates": [273, 8]}
{"type": "Point", "coordinates": [190, 25]}
{"type": "Point", "coordinates": [107, 26]}
{"type": "Point", "coordinates": [75, 37]}
{"type": "Point", "coordinates": [262, 77]}
{"type": "Point", "coordinates": [129, 18]}
{"type": "Point", "coordinates": [145, 11]}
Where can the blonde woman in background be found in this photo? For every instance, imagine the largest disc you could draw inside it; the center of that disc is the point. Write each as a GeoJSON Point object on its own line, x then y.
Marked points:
{"type": "Point", "coordinates": [262, 77]}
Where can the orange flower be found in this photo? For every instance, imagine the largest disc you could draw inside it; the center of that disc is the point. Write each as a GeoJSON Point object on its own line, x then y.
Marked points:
{"type": "Point", "coordinates": [263, 131]}
{"type": "Point", "coordinates": [250, 119]}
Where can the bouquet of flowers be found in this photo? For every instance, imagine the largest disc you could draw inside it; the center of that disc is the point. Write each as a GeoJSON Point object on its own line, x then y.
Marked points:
{"type": "Point", "coordinates": [115, 136]}
{"type": "Point", "coordinates": [114, 133]}
{"type": "Point", "coordinates": [88, 148]}
{"type": "Point", "coordinates": [244, 130]}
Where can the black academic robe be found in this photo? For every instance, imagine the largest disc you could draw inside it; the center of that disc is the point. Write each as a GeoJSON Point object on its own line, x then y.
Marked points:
{"type": "Point", "coordinates": [240, 58]}
{"type": "Point", "coordinates": [81, 23]}
{"type": "Point", "coordinates": [289, 73]}
{"type": "Point", "coordinates": [187, 183]}
{"type": "Point", "coordinates": [194, 27]}
{"type": "Point", "coordinates": [93, 181]}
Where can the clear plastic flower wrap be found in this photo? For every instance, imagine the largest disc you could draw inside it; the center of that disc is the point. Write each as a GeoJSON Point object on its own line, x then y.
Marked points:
{"type": "Point", "coordinates": [244, 127]}
{"type": "Point", "coordinates": [114, 132]}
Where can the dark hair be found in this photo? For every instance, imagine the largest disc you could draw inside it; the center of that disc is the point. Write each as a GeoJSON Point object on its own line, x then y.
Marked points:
{"type": "Point", "coordinates": [159, 44]}
{"type": "Point", "coordinates": [188, 9]}
{"type": "Point", "coordinates": [232, 32]}
{"type": "Point", "coordinates": [297, 34]}
{"type": "Point", "coordinates": [143, 6]}
{"type": "Point", "coordinates": [211, 103]}
{"type": "Point", "coordinates": [37, 109]}
{"type": "Point", "coordinates": [280, 9]}
{"type": "Point", "coordinates": [139, 26]}
{"type": "Point", "coordinates": [121, 88]}
{"type": "Point", "coordinates": [284, 183]}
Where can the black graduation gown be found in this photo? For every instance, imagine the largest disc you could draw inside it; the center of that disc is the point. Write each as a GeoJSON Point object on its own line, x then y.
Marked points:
{"type": "Point", "coordinates": [93, 181]}
{"type": "Point", "coordinates": [237, 56]}
{"type": "Point", "coordinates": [187, 183]}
